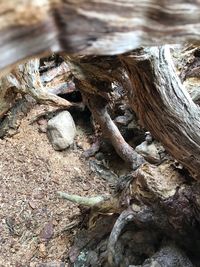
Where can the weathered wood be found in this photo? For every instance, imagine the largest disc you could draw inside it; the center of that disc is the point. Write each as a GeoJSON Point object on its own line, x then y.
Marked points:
{"type": "Point", "coordinates": [61, 70]}
{"type": "Point", "coordinates": [163, 105]}
{"type": "Point", "coordinates": [26, 80]}
{"type": "Point", "coordinates": [29, 27]}
{"type": "Point", "coordinates": [10, 124]}
{"type": "Point", "coordinates": [98, 108]}
{"type": "Point", "coordinates": [155, 205]}
{"type": "Point", "coordinates": [7, 96]}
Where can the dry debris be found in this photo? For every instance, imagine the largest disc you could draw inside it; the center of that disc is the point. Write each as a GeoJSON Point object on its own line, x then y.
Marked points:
{"type": "Point", "coordinates": [36, 227]}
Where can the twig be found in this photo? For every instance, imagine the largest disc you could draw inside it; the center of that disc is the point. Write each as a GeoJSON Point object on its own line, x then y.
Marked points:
{"type": "Point", "coordinates": [85, 201]}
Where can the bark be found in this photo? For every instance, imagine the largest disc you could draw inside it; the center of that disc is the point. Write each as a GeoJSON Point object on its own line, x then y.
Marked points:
{"type": "Point", "coordinates": [7, 96]}
{"type": "Point", "coordinates": [61, 70]}
{"type": "Point", "coordinates": [107, 27]}
{"type": "Point", "coordinates": [163, 105]}
{"type": "Point", "coordinates": [9, 125]}
{"type": "Point", "coordinates": [26, 79]}
{"type": "Point", "coordinates": [93, 76]}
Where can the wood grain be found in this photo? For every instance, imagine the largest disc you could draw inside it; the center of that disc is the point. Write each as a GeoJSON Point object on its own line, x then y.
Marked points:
{"type": "Point", "coordinates": [30, 27]}
{"type": "Point", "coordinates": [163, 105]}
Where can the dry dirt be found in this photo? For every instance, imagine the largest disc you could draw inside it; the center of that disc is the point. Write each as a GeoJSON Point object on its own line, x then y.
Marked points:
{"type": "Point", "coordinates": [33, 220]}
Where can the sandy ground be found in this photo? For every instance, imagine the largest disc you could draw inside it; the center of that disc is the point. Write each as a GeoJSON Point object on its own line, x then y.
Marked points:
{"type": "Point", "coordinates": [33, 220]}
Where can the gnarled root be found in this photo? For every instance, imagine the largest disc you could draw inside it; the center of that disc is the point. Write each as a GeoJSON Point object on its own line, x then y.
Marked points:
{"type": "Point", "coordinates": [98, 107]}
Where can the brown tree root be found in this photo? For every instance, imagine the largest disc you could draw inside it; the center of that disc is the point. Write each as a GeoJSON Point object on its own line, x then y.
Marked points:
{"type": "Point", "coordinates": [61, 70]}
{"type": "Point", "coordinates": [26, 80]}
{"type": "Point", "coordinates": [61, 88]}
{"type": "Point", "coordinates": [98, 108]}
{"type": "Point", "coordinates": [93, 77]}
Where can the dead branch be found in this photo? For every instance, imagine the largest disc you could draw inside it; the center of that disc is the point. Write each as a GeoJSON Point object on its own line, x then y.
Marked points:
{"type": "Point", "coordinates": [125, 217]}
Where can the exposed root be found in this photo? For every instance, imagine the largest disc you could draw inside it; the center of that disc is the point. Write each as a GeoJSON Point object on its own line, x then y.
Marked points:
{"type": "Point", "coordinates": [84, 201]}
{"type": "Point", "coordinates": [49, 75]}
{"type": "Point", "coordinates": [125, 217]}
{"type": "Point", "coordinates": [62, 88]}
{"type": "Point", "coordinates": [43, 97]}
{"type": "Point", "coordinates": [98, 107]}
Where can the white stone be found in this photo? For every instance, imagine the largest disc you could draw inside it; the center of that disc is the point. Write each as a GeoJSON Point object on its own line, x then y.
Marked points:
{"type": "Point", "coordinates": [61, 130]}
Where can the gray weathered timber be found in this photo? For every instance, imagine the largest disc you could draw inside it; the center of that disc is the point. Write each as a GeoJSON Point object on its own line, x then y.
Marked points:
{"type": "Point", "coordinates": [30, 27]}
{"type": "Point", "coordinates": [163, 105]}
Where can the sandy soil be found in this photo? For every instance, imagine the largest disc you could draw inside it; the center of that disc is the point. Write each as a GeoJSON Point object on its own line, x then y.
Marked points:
{"type": "Point", "coordinates": [33, 220]}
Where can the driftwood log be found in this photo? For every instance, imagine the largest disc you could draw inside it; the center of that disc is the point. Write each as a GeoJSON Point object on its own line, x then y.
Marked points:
{"type": "Point", "coordinates": [30, 28]}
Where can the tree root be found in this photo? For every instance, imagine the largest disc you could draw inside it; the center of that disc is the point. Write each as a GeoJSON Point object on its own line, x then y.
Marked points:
{"type": "Point", "coordinates": [155, 207]}
{"type": "Point", "coordinates": [160, 93]}
{"type": "Point", "coordinates": [98, 108]}
{"type": "Point", "coordinates": [61, 88]}
{"type": "Point", "coordinates": [84, 201]}
{"type": "Point", "coordinates": [49, 75]}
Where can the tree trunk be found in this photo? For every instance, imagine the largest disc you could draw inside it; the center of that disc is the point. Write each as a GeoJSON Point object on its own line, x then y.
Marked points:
{"type": "Point", "coordinates": [163, 105]}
